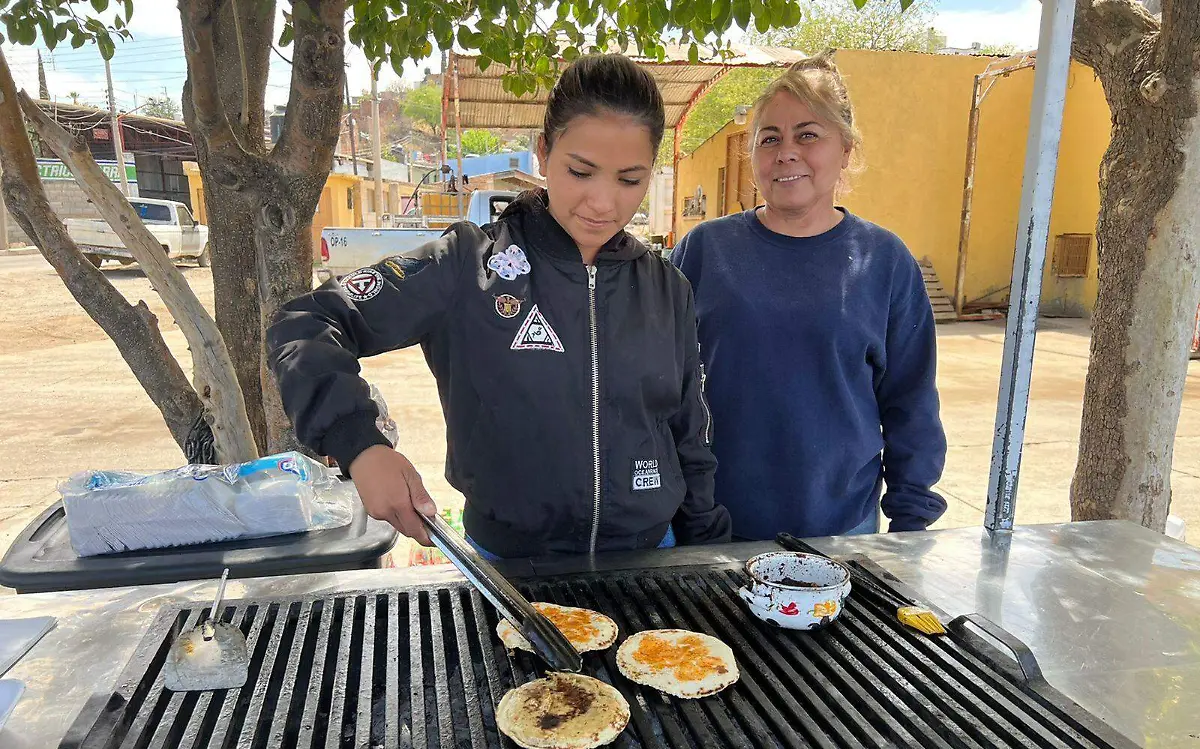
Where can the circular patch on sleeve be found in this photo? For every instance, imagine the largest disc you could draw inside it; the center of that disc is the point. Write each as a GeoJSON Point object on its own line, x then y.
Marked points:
{"type": "Point", "coordinates": [362, 284]}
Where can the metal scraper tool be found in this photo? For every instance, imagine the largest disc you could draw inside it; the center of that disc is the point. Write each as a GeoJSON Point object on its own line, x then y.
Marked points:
{"type": "Point", "coordinates": [210, 656]}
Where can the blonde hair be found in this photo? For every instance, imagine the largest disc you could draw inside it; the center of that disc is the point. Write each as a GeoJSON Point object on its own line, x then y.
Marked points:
{"type": "Point", "coordinates": [817, 83]}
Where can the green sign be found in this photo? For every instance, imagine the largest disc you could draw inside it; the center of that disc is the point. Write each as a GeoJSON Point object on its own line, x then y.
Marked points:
{"type": "Point", "coordinates": [53, 169]}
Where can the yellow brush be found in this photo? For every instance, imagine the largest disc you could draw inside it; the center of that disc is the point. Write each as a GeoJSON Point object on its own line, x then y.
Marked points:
{"type": "Point", "coordinates": [921, 619]}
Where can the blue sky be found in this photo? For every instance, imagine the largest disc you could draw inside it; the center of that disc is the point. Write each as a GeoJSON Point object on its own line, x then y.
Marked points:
{"type": "Point", "coordinates": [154, 59]}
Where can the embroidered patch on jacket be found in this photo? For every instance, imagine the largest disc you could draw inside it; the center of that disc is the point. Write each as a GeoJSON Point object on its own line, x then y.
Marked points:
{"type": "Point", "coordinates": [508, 306]}
{"type": "Point", "coordinates": [403, 267]}
{"type": "Point", "coordinates": [536, 334]}
{"type": "Point", "coordinates": [646, 475]}
{"type": "Point", "coordinates": [362, 284]}
{"type": "Point", "coordinates": [510, 263]}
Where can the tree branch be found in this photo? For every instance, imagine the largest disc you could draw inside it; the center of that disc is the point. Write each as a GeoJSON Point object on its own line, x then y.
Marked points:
{"type": "Point", "coordinates": [199, 17]}
{"type": "Point", "coordinates": [312, 123]}
{"type": "Point", "coordinates": [1106, 29]}
{"type": "Point", "coordinates": [216, 380]}
{"type": "Point", "coordinates": [244, 117]}
{"type": "Point", "coordinates": [1179, 41]}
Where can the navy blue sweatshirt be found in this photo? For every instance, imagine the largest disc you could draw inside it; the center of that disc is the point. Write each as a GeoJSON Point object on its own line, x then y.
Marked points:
{"type": "Point", "coordinates": [820, 355]}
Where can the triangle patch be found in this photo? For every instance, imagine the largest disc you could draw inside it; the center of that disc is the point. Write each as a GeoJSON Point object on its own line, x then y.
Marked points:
{"type": "Point", "coordinates": [536, 334]}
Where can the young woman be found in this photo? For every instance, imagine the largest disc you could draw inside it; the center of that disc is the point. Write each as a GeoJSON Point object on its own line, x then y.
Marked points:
{"type": "Point", "coordinates": [564, 351]}
{"type": "Point", "coordinates": [817, 336]}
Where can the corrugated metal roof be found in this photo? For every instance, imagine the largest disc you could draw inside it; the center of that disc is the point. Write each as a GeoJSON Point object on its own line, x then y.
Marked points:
{"type": "Point", "coordinates": [483, 102]}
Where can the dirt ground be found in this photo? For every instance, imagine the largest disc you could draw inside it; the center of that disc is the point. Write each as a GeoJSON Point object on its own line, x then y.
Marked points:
{"type": "Point", "coordinates": [71, 404]}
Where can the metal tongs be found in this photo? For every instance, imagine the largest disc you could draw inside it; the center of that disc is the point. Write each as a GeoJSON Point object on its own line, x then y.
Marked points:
{"type": "Point", "coordinates": [548, 642]}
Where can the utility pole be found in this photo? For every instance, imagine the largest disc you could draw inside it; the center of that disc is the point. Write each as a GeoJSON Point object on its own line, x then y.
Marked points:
{"type": "Point", "coordinates": [116, 127]}
{"type": "Point", "coordinates": [350, 109]}
{"type": "Point", "coordinates": [376, 147]}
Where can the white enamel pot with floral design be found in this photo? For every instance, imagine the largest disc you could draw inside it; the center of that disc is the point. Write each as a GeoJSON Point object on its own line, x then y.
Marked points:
{"type": "Point", "coordinates": [794, 590]}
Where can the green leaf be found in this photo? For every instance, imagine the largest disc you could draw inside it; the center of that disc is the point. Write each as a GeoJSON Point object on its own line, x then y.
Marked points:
{"type": "Point", "coordinates": [542, 66]}
{"type": "Point", "coordinates": [61, 32]}
{"type": "Point", "coordinates": [720, 9]}
{"type": "Point", "coordinates": [571, 54]}
{"type": "Point", "coordinates": [682, 12]}
{"type": "Point", "coordinates": [443, 32]}
{"type": "Point", "coordinates": [47, 31]}
{"type": "Point", "coordinates": [741, 13]}
{"type": "Point", "coordinates": [28, 33]}
{"type": "Point", "coordinates": [484, 62]}
{"type": "Point", "coordinates": [286, 37]}
{"type": "Point", "coordinates": [426, 49]}
{"type": "Point", "coordinates": [611, 5]}
{"type": "Point", "coordinates": [106, 46]}
{"type": "Point", "coordinates": [564, 11]}
{"type": "Point", "coordinates": [100, 5]}
{"type": "Point", "coordinates": [77, 41]}
{"type": "Point", "coordinates": [659, 16]}
{"type": "Point", "coordinates": [693, 54]}
{"type": "Point", "coordinates": [792, 15]}
{"type": "Point", "coordinates": [128, 10]}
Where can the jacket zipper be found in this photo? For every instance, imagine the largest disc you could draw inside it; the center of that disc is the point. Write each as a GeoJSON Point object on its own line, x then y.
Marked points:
{"type": "Point", "coordinates": [595, 409]}
{"type": "Point", "coordinates": [704, 402]}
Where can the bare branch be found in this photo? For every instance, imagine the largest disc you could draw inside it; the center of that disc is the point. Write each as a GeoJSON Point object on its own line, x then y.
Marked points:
{"type": "Point", "coordinates": [216, 380]}
{"type": "Point", "coordinates": [241, 48]}
{"type": "Point", "coordinates": [1107, 29]}
{"type": "Point", "coordinates": [313, 119]}
{"type": "Point", "coordinates": [1180, 40]}
{"type": "Point", "coordinates": [199, 17]}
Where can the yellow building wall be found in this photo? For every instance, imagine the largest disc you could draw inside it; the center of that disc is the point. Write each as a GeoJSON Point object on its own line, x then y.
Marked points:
{"type": "Point", "coordinates": [913, 111]}
{"type": "Point", "coordinates": [341, 202]}
{"type": "Point", "coordinates": [1086, 134]}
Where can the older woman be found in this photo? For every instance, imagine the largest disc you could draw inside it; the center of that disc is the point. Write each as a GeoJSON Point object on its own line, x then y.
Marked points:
{"type": "Point", "coordinates": [817, 336]}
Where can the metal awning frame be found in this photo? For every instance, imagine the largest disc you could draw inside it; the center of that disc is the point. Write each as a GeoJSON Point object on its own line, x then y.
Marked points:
{"type": "Point", "coordinates": [745, 57]}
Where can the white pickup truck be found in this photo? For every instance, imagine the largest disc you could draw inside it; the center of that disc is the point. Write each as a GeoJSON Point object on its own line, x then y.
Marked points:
{"type": "Point", "coordinates": [170, 222]}
{"type": "Point", "coordinates": [347, 248]}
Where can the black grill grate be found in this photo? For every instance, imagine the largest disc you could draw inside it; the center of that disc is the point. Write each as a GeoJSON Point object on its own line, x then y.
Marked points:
{"type": "Point", "coordinates": [423, 668]}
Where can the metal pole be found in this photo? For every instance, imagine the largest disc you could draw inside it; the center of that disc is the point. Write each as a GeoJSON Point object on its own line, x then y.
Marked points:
{"type": "Point", "coordinates": [445, 104]}
{"type": "Point", "coordinates": [376, 148]}
{"type": "Point", "coordinates": [964, 231]}
{"type": "Point", "coordinates": [118, 145]}
{"type": "Point", "coordinates": [458, 137]}
{"type": "Point", "coordinates": [1033, 229]}
{"type": "Point", "coordinates": [350, 124]}
{"type": "Point", "coordinates": [673, 238]}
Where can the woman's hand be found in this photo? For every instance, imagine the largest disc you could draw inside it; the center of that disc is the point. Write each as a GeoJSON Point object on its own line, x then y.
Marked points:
{"type": "Point", "coordinates": [391, 490]}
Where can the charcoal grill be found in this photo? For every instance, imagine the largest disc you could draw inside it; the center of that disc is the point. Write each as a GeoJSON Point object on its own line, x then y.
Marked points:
{"type": "Point", "coordinates": [422, 667]}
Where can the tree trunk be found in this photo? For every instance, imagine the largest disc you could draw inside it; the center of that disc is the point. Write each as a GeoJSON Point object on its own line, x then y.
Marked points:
{"type": "Point", "coordinates": [215, 381]}
{"type": "Point", "coordinates": [229, 210]}
{"type": "Point", "coordinates": [273, 195]}
{"type": "Point", "coordinates": [132, 328]}
{"type": "Point", "coordinates": [1147, 234]}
